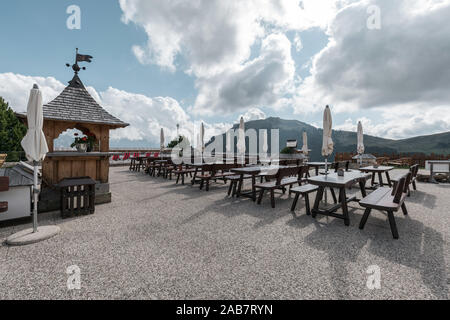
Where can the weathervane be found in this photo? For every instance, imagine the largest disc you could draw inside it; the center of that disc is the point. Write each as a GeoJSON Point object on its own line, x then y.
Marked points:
{"type": "Point", "coordinates": [80, 58]}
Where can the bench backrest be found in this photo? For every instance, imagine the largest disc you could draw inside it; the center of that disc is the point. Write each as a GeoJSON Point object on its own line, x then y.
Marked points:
{"type": "Point", "coordinates": [303, 173]}
{"type": "Point", "coordinates": [401, 187]}
{"type": "Point", "coordinates": [414, 170]}
{"type": "Point", "coordinates": [287, 172]}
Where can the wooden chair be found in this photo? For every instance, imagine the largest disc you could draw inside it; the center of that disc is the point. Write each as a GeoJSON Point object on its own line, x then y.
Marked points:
{"type": "Point", "coordinates": [4, 186]}
{"type": "Point", "coordinates": [387, 200]}
{"type": "Point", "coordinates": [283, 178]}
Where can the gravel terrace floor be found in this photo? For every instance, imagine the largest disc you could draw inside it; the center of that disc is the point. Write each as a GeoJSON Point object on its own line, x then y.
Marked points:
{"type": "Point", "coordinates": [157, 240]}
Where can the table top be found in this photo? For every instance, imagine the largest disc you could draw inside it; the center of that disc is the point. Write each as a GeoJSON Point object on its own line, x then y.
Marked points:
{"type": "Point", "coordinates": [318, 163]}
{"type": "Point", "coordinates": [256, 169]}
{"type": "Point", "coordinates": [438, 161]}
{"type": "Point", "coordinates": [333, 180]}
{"type": "Point", "coordinates": [62, 154]}
{"type": "Point", "coordinates": [378, 169]}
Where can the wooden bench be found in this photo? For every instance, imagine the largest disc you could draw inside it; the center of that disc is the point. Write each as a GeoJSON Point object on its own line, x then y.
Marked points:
{"type": "Point", "coordinates": [304, 190]}
{"type": "Point", "coordinates": [414, 171]}
{"type": "Point", "coordinates": [214, 172]}
{"type": "Point", "coordinates": [4, 186]}
{"type": "Point", "coordinates": [388, 200]}
{"type": "Point", "coordinates": [234, 181]}
{"type": "Point", "coordinates": [181, 171]}
{"type": "Point", "coordinates": [283, 178]}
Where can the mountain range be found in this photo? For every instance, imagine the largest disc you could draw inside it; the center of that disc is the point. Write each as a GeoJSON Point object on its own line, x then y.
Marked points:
{"type": "Point", "coordinates": [345, 141]}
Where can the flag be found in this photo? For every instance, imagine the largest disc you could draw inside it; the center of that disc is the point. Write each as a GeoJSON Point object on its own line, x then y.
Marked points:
{"type": "Point", "coordinates": [84, 57]}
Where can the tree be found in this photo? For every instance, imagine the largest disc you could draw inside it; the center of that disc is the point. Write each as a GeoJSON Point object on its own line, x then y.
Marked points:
{"type": "Point", "coordinates": [12, 132]}
{"type": "Point", "coordinates": [176, 141]}
{"type": "Point", "coordinates": [287, 151]}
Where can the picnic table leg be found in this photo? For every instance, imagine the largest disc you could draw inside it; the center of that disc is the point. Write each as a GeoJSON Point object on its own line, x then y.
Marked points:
{"type": "Point", "coordinates": [253, 188]}
{"type": "Point", "coordinates": [317, 170]}
{"type": "Point", "coordinates": [393, 224]}
{"type": "Point", "coordinates": [388, 179]}
{"type": "Point", "coordinates": [294, 204]}
{"type": "Point", "coordinates": [241, 182]}
{"type": "Point", "coordinates": [333, 194]}
{"type": "Point", "coordinates": [308, 209]}
{"type": "Point", "coordinates": [272, 198]}
{"type": "Point", "coordinates": [230, 188]}
{"type": "Point", "coordinates": [380, 177]}
{"type": "Point", "coordinates": [344, 206]}
{"type": "Point", "coordinates": [362, 186]}
{"type": "Point", "coordinates": [319, 197]}
{"type": "Point", "coordinates": [195, 176]}
{"type": "Point", "coordinates": [373, 179]}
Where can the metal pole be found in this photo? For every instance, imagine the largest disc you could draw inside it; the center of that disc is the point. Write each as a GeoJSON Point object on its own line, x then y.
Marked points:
{"type": "Point", "coordinates": [326, 174]}
{"type": "Point", "coordinates": [35, 195]}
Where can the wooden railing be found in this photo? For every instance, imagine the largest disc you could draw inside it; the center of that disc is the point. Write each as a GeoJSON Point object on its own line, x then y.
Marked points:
{"type": "Point", "coordinates": [400, 159]}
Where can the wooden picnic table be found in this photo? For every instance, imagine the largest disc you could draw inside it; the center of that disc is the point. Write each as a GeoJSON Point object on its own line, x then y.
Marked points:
{"type": "Point", "coordinates": [378, 170]}
{"type": "Point", "coordinates": [198, 167]}
{"type": "Point", "coordinates": [331, 181]}
{"type": "Point", "coordinates": [159, 165]}
{"type": "Point", "coordinates": [317, 165]}
{"type": "Point", "coordinates": [253, 171]}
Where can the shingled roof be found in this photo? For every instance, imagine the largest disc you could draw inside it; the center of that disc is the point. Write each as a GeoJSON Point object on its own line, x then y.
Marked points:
{"type": "Point", "coordinates": [77, 105]}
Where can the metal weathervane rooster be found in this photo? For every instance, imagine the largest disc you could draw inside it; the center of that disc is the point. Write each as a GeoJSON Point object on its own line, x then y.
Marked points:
{"type": "Point", "coordinates": [80, 58]}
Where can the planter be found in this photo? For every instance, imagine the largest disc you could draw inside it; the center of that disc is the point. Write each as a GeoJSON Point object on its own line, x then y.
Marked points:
{"type": "Point", "coordinates": [81, 147]}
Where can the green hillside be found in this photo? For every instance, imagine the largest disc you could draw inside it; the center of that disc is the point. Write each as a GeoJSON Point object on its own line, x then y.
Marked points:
{"type": "Point", "coordinates": [345, 141]}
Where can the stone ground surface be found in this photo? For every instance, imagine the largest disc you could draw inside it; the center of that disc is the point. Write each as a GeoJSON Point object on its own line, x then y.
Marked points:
{"type": "Point", "coordinates": [157, 240]}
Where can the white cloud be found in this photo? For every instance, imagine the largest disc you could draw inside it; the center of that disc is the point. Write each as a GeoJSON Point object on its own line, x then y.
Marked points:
{"type": "Point", "coordinates": [400, 64]}
{"type": "Point", "coordinates": [145, 115]}
{"type": "Point", "coordinates": [259, 82]}
{"type": "Point", "coordinates": [252, 114]}
{"type": "Point", "coordinates": [215, 39]}
{"type": "Point", "coordinates": [15, 89]}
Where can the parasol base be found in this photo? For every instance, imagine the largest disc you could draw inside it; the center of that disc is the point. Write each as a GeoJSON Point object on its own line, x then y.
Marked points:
{"type": "Point", "coordinates": [27, 236]}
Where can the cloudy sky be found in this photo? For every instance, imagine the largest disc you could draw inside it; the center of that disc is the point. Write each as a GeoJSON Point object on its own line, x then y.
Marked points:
{"type": "Point", "coordinates": [159, 63]}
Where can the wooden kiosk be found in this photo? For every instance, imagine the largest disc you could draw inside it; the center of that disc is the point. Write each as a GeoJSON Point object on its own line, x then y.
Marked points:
{"type": "Point", "coordinates": [75, 108]}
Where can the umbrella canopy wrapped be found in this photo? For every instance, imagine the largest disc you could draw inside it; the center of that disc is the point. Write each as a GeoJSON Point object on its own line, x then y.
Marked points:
{"type": "Point", "coordinates": [241, 136]}
{"type": "Point", "coordinates": [161, 140]}
{"type": "Point", "coordinates": [202, 137]}
{"type": "Point", "coordinates": [229, 144]}
{"type": "Point", "coordinates": [327, 145]}
{"type": "Point", "coordinates": [305, 149]}
{"type": "Point", "coordinates": [265, 146]}
{"type": "Point", "coordinates": [34, 143]}
{"type": "Point", "coordinates": [360, 148]}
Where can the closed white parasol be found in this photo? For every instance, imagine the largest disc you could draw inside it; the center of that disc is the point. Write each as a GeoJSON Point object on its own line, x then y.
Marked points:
{"type": "Point", "coordinates": [161, 140]}
{"type": "Point", "coordinates": [360, 147]}
{"type": "Point", "coordinates": [305, 149]}
{"type": "Point", "coordinates": [327, 145]}
{"type": "Point", "coordinates": [36, 148]}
